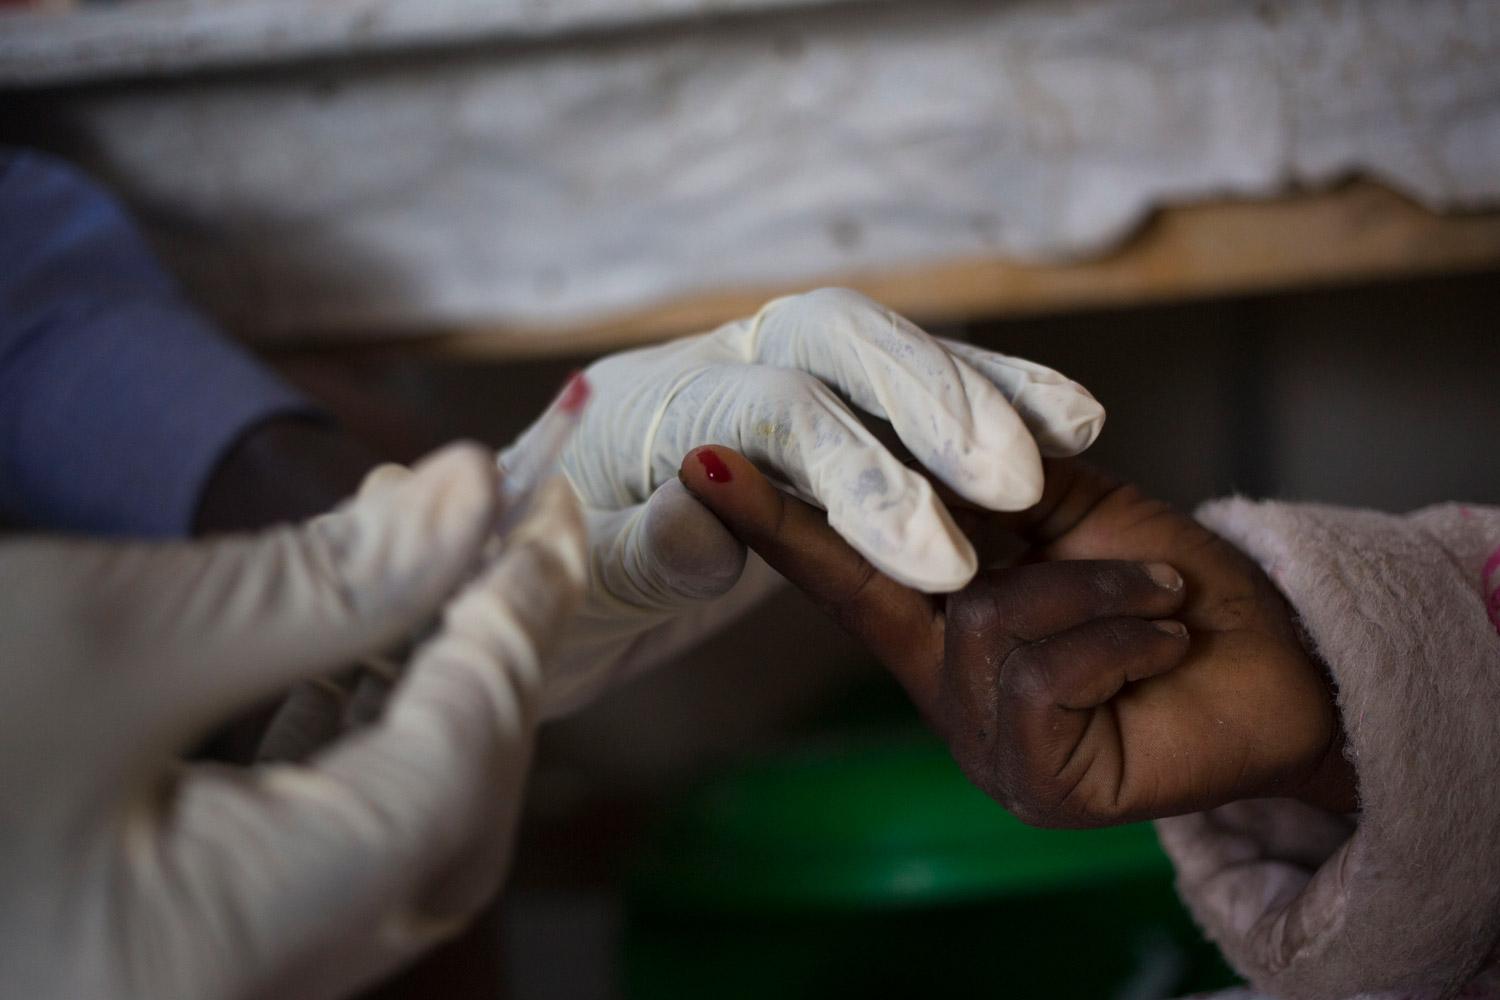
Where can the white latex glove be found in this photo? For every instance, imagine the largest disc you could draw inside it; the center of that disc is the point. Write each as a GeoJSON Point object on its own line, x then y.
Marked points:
{"type": "Point", "coordinates": [777, 387]}
{"type": "Point", "coordinates": [124, 874]}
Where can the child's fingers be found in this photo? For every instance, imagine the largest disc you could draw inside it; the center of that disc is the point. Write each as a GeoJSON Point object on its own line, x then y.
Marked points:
{"type": "Point", "coordinates": [1086, 666]}
{"type": "Point", "coordinates": [1034, 601]}
{"type": "Point", "coordinates": [1029, 652]}
{"type": "Point", "coordinates": [1057, 758]}
{"type": "Point", "coordinates": [900, 625]}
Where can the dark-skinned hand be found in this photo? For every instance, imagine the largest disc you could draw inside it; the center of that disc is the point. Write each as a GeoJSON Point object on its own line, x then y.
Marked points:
{"type": "Point", "coordinates": [1131, 665]}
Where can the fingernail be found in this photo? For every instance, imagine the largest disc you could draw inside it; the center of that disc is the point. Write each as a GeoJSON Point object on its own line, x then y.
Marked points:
{"type": "Point", "coordinates": [1175, 629]}
{"type": "Point", "coordinates": [713, 466]}
{"type": "Point", "coordinates": [1164, 576]}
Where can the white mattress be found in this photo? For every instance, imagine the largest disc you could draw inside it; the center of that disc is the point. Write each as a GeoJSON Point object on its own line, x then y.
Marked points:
{"type": "Point", "coordinates": [370, 166]}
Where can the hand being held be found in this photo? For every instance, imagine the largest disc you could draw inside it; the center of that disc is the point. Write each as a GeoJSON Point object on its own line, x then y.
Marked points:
{"type": "Point", "coordinates": [1134, 665]}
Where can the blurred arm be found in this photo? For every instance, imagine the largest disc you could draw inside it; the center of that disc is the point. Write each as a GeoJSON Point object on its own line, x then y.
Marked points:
{"type": "Point", "coordinates": [122, 410]}
{"type": "Point", "coordinates": [284, 469]}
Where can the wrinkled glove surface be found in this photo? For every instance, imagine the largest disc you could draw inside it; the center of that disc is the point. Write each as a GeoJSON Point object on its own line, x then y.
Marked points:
{"type": "Point", "coordinates": [782, 388]}
{"type": "Point", "coordinates": [125, 873]}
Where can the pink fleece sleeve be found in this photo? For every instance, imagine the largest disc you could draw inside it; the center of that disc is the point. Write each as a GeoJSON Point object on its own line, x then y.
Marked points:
{"type": "Point", "coordinates": [1403, 898]}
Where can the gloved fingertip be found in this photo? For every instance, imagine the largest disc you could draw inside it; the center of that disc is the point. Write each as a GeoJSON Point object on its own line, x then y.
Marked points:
{"type": "Point", "coordinates": [961, 572]}
{"type": "Point", "coordinates": [943, 581]}
{"type": "Point", "coordinates": [1061, 415]}
{"type": "Point", "coordinates": [1019, 485]}
{"type": "Point", "coordinates": [399, 550]}
{"type": "Point", "coordinates": [931, 556]}
{"type": "Point", "coordinates": [382, 479]}
{"type": "Point", "coordinates": [463, 463]}
{"type": "Point", "coordinates": [995, 460]}
{"type": "Point", "coordinates": [1066, 419]}
{"type": "Point", "coordinates": [459, 489]}
{"type": "Point", "coordinates": [684, 551]}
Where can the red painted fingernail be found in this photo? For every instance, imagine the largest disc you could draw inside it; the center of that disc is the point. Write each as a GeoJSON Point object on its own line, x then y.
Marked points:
{"type": "Point", "coordinates": [714, 466]}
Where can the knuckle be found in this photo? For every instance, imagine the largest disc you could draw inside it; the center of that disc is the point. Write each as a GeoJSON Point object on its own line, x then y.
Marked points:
{"type": "Point", "coordinates": [791, 384]}
{"type": "Point", "coordinates": [832, 303]}
{"type": "Point", "coordinates": [1107, 582]}
{"type": "Point", "coordinates": [1047, 803]}
{"type": "Point", "coordinates": [1025, 674]}
{"type": "Point", "coordinates": [326, 547]}
{"type": "Point", "coordinates": [1030, 811]}
{"type": "Point", "coordinates": [1033, 802]}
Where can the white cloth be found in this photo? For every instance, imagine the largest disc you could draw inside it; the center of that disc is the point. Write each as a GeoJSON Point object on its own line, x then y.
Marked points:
{"type": "Point", "coordinates": [485, 178]}
{"type": "Point", "coordinates": [126, 874]}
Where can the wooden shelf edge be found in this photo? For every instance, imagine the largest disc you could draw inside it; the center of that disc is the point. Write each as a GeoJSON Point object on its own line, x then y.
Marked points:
{"type": "Point", "coordinates": [1359, 231]}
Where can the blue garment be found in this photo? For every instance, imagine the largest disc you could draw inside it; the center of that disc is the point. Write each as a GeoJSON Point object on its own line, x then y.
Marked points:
{"type": "Point", "coordinates": [117, 399]}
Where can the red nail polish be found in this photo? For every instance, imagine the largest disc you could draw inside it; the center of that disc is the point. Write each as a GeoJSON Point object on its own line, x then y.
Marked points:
{"type": "Point", "coordinates": [714, 466]}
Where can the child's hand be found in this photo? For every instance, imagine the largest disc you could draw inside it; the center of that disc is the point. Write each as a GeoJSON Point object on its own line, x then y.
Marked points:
{"type": "Point", "coordinates": [1232, 708]}
{"type": "Point", "coordinates": [1064, 688]}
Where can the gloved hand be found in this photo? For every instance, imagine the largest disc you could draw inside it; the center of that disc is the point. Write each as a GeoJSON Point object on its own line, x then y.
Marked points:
{"type": "Point", "coordinates": [126, 874]}
{"type": "Point", "coordinates": [774, 387]}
